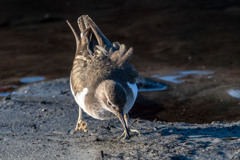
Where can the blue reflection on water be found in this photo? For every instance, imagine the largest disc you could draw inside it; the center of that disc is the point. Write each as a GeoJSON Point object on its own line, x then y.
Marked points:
{"type": "Point", "coordinates": [159, 88]}
{"type": "Point", "coordinates": [195, 72]}
{"type": "Point", "coordinates": [31, 79]}
{"type": "Point", "coordinates": [234, 93]}
{"type": "Point", "coordinates": [4, 94]}
{"type": "Point", "coordinates": [145, 84]}
{"type": "Point", "coordinates": [174, 78]}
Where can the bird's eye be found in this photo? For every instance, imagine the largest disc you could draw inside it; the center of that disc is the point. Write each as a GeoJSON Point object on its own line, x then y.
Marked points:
{"type": "Point", "coordinates": [109, 103]}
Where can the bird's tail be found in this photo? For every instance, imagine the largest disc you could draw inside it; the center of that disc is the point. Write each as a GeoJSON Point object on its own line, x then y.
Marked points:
{"type": "Point", "coordinates": [96, 42]}
{"type": "Point", "coordinates": [90, 34]}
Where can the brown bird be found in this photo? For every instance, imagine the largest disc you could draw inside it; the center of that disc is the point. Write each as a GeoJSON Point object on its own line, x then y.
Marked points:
{"type": "Point", "coordinates": [102, 81]}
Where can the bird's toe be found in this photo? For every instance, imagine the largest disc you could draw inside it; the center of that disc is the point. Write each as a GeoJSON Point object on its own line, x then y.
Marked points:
{"type": "Point", "coordinates": [81, 125]}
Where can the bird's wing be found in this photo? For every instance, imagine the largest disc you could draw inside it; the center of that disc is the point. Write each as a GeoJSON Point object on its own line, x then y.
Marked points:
{"type": "Point", "coordinates": [95, 52]}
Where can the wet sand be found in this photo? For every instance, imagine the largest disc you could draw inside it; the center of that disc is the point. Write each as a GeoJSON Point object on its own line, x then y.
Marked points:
{"type": "Point", "coordinates": [37, 122]}
{"type": "Point", "coordinates": [167, 37]}
{"type": "Point", "coordinates": [191, 97]}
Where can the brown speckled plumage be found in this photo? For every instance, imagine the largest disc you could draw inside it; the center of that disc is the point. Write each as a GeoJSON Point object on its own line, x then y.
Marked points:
{"type": "Point", "coordinates": [102, 82]}
{"type": "Point", "coordinates": [94, 63]}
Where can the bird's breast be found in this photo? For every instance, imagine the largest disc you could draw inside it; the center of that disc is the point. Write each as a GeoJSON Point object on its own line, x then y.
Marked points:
{"type": "Point", "coordinates": [98, 112]}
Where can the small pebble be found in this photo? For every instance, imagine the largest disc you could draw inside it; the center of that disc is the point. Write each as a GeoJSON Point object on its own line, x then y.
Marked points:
{"type": "Point", "coordinates": [44, 110]}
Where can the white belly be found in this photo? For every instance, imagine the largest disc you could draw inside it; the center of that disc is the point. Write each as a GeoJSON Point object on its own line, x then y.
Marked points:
{"type": "Point", "coordinates": [80, 96]}
{"type": "Point", "coordinates": [131, 98]}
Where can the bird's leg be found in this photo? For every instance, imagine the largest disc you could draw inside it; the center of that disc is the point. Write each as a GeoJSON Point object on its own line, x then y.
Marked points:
{"type": "Point", "coordinates": [126, 117]}
{"type": "Point", "coordinates": [81, 125]}
{"type": "Point", "coordinates": [124, 134]}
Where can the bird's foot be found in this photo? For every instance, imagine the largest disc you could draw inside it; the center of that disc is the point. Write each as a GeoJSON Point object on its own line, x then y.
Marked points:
{"type": "Point", "coordinates": [81, 125]}
{"type": "Point", "coordinates": [124, 135]}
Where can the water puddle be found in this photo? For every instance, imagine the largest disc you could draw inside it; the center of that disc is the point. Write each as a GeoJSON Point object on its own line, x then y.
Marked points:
{"type": "Point", "coordinates": [177, 77]}
{"type": "Point", "coordinates": [31, 79]}
{"type": "Point", "coordinates": [4, 94]}
{"type": "Point", "coordinates": [172, 79]}
{"type": "Point", "coordinates": [234, 93]}
{"type": "Point", "coordinates": [195, 72]}
{"type": "Point", "coordinates": [146, 84]}
{"type": "Point", "coordinates": [6, 90]}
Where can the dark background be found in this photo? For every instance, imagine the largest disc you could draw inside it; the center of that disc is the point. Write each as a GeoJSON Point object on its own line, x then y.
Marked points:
{"type": "Point", "coordinates": [166, 36]}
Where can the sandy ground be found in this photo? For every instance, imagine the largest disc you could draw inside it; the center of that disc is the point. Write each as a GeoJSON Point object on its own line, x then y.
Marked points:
{"type": "Point", "coordinates": [38, 120]}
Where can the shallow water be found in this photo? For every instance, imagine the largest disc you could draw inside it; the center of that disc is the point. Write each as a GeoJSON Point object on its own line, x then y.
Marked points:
{"type": "Point", "coordinates": [31, 79]}
{"type": "Point", "coordinates": [146, 84]}
{"type": "Point", "coordinates": [172, 79]}
{"type": "Point", "coordinates": [234, 93]}
{"type": "Point", "coordinates": [6, 90]}
{"type": "Point", "coordinates": [4, 94]}
{"type": "Point", "coordinates": [198, 72]}
{"type": "Point", "coordinates": [178, 76]}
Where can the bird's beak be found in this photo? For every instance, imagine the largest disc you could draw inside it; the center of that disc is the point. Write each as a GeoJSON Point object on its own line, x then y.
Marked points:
{"type": "Point", "coordinates": [122, 120]}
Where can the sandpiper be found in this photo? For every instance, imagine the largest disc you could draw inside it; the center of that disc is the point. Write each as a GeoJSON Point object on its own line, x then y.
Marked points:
{"type": "Point", "coordinates": [102, 81]}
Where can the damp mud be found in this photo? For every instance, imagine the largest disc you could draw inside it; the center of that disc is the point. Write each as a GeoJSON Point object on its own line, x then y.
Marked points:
{"type": "Point", "coordinates": [198, 97]}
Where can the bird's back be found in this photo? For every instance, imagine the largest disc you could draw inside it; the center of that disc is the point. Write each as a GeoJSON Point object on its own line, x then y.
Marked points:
{"type": "Point", "coordinates": [97, 59]}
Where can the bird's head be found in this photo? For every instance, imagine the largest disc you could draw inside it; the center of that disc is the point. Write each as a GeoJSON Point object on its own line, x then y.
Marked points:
{"type": "Point", "coordinates": [112, 97]}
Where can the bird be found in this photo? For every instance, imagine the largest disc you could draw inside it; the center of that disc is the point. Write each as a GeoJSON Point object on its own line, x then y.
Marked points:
{"type": "Point", "coordinates": [102, 81]}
